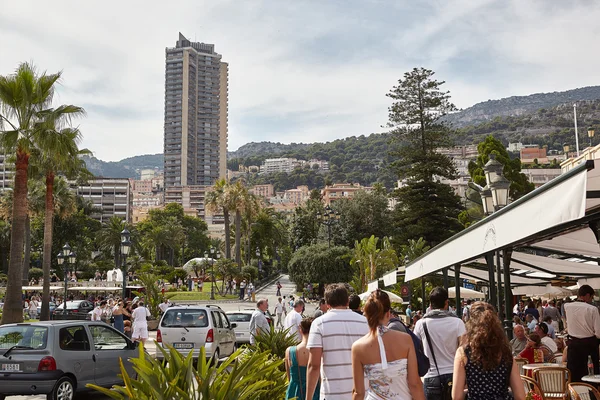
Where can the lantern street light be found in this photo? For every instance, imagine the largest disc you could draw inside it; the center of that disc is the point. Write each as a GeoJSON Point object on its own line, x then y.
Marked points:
{"type": "Point", "coordinates": [125, 249]}
{"type": "Point", "coordinates": [591, 134]}
{"type": "Point", "coordinates": [66, 257]}
{"type": "Point", "coordinates": [212, 270]}
{"type": "Point", "coordinates": [328, 218]}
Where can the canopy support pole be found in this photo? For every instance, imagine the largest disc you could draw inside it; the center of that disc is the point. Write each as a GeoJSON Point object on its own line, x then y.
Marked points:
{"type": "Point", "coordinates": [508, 298]}
{"type": "Point", "coordinates": [499, 283]}
{"type": "Point", "coordinates": [457, 289]}
{"type": "Point", "coordinates": [445, 275]}
{"type": "Point", "coordinates": [423, 308]}
{"type": "Point", "coordinates": [489, 257]}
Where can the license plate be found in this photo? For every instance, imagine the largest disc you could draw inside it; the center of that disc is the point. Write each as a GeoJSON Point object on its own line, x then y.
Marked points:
{"type": "Point", "coordinates": [10, 367]}
{"type": "Point", "coordinates": [239, 334]}
{"type": "Point", "coordinates": [183, 345]}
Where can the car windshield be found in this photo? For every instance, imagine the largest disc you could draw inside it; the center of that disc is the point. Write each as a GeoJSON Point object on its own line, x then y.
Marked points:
{"type": "Point", "coordinates": [185, 318]}
{"type": "Point", "coordinates": [239, 317]}
{"type": "Point", "coordinates": [25, 336]}
{"type": "Point", "coordinates": [70, 306]}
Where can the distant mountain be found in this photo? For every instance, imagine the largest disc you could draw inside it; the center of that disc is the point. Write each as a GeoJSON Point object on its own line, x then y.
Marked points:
{"type": "Point", "coordinates": [254, 148]}
{"type": "Point", "coordinates": [519, 105]}
{"type": "Point", "coordinates": [126, 168]}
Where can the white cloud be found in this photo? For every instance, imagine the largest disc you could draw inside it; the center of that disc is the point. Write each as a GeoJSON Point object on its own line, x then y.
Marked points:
{"type": "Point", "coordinates": [299, 71]}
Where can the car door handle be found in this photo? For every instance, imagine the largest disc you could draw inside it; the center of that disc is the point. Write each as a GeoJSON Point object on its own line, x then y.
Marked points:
{"type": "Point", "coordinates": [94, 357]}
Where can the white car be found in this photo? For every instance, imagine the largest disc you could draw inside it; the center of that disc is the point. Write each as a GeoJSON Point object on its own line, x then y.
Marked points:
{"type": "Point", "coordinates": [189, 328]}
{"type": "Point", "coordinates": [242, 319]}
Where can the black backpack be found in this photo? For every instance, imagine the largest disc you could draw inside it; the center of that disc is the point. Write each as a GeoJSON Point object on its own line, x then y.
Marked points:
{"type": "Point", "coordinates": [422, 360]}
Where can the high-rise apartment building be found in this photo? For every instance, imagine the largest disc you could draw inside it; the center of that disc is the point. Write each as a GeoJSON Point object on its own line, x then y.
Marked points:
{"type": "Point", "coordinates": [195, 142]}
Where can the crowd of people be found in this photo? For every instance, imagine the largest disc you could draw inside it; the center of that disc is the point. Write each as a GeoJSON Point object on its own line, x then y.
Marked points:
{"type": "Point", "coordinates": [346, 350]}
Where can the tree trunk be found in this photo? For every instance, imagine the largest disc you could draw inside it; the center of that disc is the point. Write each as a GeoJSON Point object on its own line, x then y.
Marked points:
{"type": "Point", "coordinates": [27, 251]}
{"type": "Point", "coordinates": [47, 258]}
{"type": "Point", "coordinates": [238, 238]}
{"type": "Point", "coordinates": [227, 234]}
{"type": "Point", "coordinates": [13, 306]}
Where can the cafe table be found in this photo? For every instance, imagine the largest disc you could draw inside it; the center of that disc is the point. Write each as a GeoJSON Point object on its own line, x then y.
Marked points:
{"type": "Point", "coordinates": [539, 365]}
{"type": "Point", "coordinates": [595, 379]}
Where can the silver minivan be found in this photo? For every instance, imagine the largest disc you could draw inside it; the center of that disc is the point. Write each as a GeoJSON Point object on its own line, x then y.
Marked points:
{"type": "Point", "coordinates": [189, 328]}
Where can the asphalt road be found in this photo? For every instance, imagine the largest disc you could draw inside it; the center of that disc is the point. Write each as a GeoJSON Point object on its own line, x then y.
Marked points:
{"type": "Point", "coordinates": [268, 292]}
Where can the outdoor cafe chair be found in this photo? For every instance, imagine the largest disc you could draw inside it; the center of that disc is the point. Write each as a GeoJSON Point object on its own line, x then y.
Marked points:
{"type": "Point", "coordinates": [531, 386]}
{"type": "Point", "coordinates": [520, 362]}
{"type": "Point", "coordinates": [583, 391]}
{"type": "Point", "coordinates": [556, 358]}
{"type": "Point", "coordinates": [553, 381]}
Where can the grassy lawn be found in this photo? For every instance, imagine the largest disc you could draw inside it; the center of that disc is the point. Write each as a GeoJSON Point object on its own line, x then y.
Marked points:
{"type": "Point", "coordinates": [196, 295]}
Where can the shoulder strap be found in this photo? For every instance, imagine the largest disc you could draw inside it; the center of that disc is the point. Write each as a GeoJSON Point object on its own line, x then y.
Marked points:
{"type": "Point", "coordinates": [384, 363]}
{"type": "Point", "coordinates": [430, 346]}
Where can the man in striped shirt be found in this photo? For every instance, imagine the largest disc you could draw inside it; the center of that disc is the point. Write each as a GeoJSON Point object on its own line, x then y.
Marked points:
{"type": "Point", "coordinates": [330, 344]}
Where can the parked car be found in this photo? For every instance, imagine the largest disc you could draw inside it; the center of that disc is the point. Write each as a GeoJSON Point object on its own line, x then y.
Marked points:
{"type": "Point", "coordinates": [58, 358]}
{"type": "Point", "coordinates": [52, 308]}
{"type": "Point", "coordinates": [77, 309]}
{"type": "Point", "coordinates": [189, 328]}
{"type": "Point", "coordinates": [242, 319]}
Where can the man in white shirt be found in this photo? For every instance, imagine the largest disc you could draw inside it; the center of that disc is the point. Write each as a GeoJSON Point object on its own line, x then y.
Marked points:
{"type": "Point", "coordinates": [98, 312]}
{"type": "Point", "coordinates": [445, 330]}
{"type": "Point", "coordinates": [542, 330]}
{"type": "Point", "coordinates": [330, 344]}
{"type": "Point", "coordinates": [164, 305]}
{"type": "Point", "coordinates": [279, 310]}
{"type": "Point", "coordinates": [293, 319]}
{"type": "Point", "coordinates": [140, 324]}
{"type": "Point", "coordinates": [258, 321]}
{"type": "Point", "coordinates": [583, 321]}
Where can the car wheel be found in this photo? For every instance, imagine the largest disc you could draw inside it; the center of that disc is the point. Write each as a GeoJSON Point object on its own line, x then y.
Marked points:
{"type": "Point", "coordinates": [235, 347]}
{"type": "Point", "coordinates": [215, 357]}
{"type": "Point", "coordinates": [64, 389]}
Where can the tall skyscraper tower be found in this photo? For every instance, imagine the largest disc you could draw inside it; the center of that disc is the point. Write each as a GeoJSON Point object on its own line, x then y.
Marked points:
{"type": "Point", "coordinates": [195, 143]}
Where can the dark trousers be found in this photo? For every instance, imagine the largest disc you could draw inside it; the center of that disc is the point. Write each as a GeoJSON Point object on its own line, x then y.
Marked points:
{"type": "Point", "coordinates": [577, 356]}
{"type": "Point", "coordinates": [433, 386]}
{"type": "Point", "coordinates": [242, 293]}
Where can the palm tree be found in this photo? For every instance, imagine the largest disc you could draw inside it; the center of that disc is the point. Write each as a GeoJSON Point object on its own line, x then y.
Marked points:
{"type": "Point", "coordinates": [216, 202]}
{"type": "Point", "coordinates": [59, 154]}
{"type": "Point", "coordinates": [236, 197]}
{"type": "Point", "coordinates": [25, 103]}
{"type": "Point", "coordinates": [109, 238]}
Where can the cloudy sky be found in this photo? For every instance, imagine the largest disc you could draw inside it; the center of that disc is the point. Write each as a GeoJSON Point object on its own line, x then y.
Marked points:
{"type": "Point", "coordinates": [300, 71]}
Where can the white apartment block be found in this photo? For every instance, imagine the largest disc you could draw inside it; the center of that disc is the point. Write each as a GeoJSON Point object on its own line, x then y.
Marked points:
{"type": "Point", "coordinates": [110, 196]}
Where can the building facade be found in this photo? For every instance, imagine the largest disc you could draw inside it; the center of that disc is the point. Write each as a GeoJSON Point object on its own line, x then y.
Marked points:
{"type": "Point", "coordinates": [338, 191]}
{"type": "Point", "coordinates": [191, 198]}
{"type": "Point", "coordinates": [195, 130]}
{"type": "Point", "coordinates": [265, 191]}
{"type": "Point", "coordinates": [111, 197]}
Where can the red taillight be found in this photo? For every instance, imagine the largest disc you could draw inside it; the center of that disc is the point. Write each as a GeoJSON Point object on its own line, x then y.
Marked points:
{"type": "Point", "coordinates": [158, 336]}
{"type": "Point", "coordinates": [74, 310]}
{"type": "Point", "coordinates": [47, 364]}
{"type": "Point", "coordinates": [210, 336]}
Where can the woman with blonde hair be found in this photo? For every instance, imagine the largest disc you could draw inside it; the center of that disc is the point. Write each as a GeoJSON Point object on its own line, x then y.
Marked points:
{"type": "Point", "coordinates": [484, 362]}
{"type": "Point", "coordinates": [385, 357]}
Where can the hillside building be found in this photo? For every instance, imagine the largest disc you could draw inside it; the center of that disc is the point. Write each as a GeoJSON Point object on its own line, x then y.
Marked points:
{"type": "Point", "coordinates": [297, 196]}
{"type": "Point", "coordinates": [112, 197]}
{"type": "Point", "coordinates": [265, 191]}
{"type": "Point", "coordinates": [338, 191]}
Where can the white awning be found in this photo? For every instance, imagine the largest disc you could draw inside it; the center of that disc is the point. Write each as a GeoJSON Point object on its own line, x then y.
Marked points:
{"type": "Point", "coordinates": [581, 242]}
{"type": "Point", "coordinates": [95, 288]}
{"type": "Point", "coordinates": [543, 291]}
{"type": "Point", "coordinates": [465, 293]}
{"type": "Point", "coordinates": [558, 202]}
{"type": "Point", "coordinates": [478, 275]}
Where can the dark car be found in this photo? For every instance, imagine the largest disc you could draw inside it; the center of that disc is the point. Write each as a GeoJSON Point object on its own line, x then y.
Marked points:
{"type": "Point", "coordinates": [77, 309]}
{"type": "Point", "coordinates": [52, 307]}
{"type": "Point", "coordinates": [58, 358]}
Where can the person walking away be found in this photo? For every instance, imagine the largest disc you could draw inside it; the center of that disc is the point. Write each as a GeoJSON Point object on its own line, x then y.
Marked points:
{"type": "Point", "coordinates": [518, 343]}
{"type": "Point", "coordinates": [296, 360]}
{"type": "Point", "coordinates": [330, 344]}
{"type": "Point", "coordinates": [278, 289]}
{"type": "Point", "coordinates": [118, 312]}
{"type": "Point", "coordinates": [140, 323]}
{"type": "Point", "coordinates": [279, 312]}
{"type": "Point", "coordinates": [583, 321]}
{"type": "Point", "coordinates": [392, 372]}
{"type": "Point", "coordinates": [552, 312]}
{"type": "Point", "coordinates": [466, 314]}
{"type": "Point", "coordinates": [484, 362]}
{"type": "Point", "coordinates": [242, 289]}
{"type": "Point", "coordinates": [440, 331]}
{"type": "Point", "coordinates": [354, 304]}
{"type": "Point", "coordinates": [258, 321]}
{"type": "Point", "coordinates": [293, 319]}
{"type": "Point", "coordinates": [321, 309]}
{"type": "Point", "coordinates": [33, 305]}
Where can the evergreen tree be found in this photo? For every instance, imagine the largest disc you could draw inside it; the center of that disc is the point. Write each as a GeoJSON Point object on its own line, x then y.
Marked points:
{"type": "Point", "coordinates": [426, 208]}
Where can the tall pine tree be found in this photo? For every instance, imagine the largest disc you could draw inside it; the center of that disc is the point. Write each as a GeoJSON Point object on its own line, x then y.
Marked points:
{"type": "Point", "coordinates": [426, 208]}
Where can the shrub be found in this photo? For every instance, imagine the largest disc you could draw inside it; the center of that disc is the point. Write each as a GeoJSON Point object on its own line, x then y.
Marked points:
{"type": "Point", "coordinates": [242, 376]}
{"type": "Point", "coordinates": [35, 273]}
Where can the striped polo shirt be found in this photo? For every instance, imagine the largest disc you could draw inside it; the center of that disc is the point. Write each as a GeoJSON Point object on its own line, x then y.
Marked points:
{"type": "Point", "coordinates": [335, 332]}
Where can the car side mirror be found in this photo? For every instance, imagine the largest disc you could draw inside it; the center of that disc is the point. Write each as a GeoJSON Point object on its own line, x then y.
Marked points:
{"type": "Point", "coordinates": [233, 325]}
{"type": "Point", "coordinates": [133, 345]}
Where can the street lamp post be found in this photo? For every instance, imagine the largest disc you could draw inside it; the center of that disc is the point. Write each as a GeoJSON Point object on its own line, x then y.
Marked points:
{"type": "Point", "coordinates": [495, 197]}
{"type": "Point", "coordinates": [125, 248]}
{"type": "Point", "coordinates": [212, 271]}
{"type": "Point", "coordinates": [67, 257]}
{"type": "Point", "coordinates": [328, 218]}
{"type": "Point", "coordinates": [591, 134]}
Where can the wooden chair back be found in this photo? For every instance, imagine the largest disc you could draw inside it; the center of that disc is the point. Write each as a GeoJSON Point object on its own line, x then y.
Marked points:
{"type": "Point", "coordinates": [553, 381]}
{"type": "Point", "coordinates": [583, 391]}
{"type": "Point", "coordinates": [531, 386]}
{"type": "Point", "coordinates": [520, 362]}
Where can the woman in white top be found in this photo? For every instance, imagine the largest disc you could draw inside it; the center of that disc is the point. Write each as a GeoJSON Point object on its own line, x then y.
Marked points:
{"type": "Point", "coordinates": [385, 357]}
